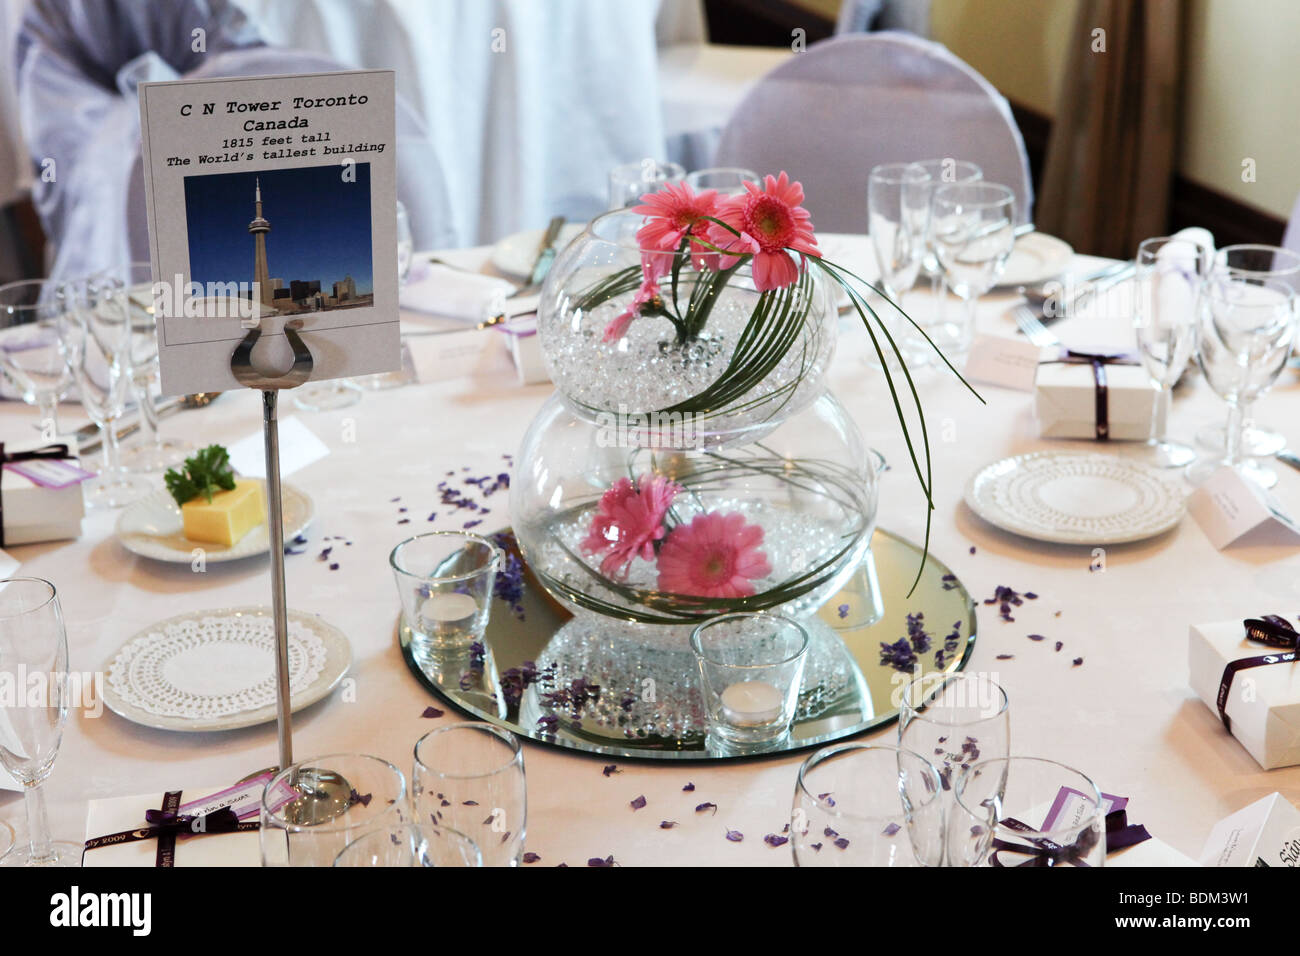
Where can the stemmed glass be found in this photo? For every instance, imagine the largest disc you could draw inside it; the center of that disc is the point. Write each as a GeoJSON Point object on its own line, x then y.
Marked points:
{"type": "Point", "coordinates": [1026, 811]}
{"type": "Point", "coordinates": [973, 225]}
{"type": "Point", "coordinates": [942, 172]}
{"type": "Point", "coordinates": [34, 347]}
{"type": "Point", "coordinates": [867, 805]}
{"type": "Point", "coordinates": [630, 181]}
{"type": "Point", "coordinates": [128, 293]}
{"type": "Point", "coordinates": [898, 212]}
{"type": "Point", "coordinates": [471, 777]}
{"type": "Point", "coordinates": [1170, 273]}
{"type": "Point", "coordinates": [102, 371]}
{"type": "Point", "coordinates": [1254, 261]}
{"type": "Point", "coordinates": [725, 180]}
{"type": "Point", "coordinates": [1246, 330]}
{"type": "Point", "coordinates": [33, 659]}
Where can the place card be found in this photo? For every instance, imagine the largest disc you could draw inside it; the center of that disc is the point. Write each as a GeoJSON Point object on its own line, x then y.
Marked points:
{"type": "Point", "coordinates": [299, 447]}
{"type": "Point", "coordinates": [1266, 833]}
{"type": "Point", "coordinates": [447, 355]}
{"type": "Point", "coordinates": [270, 200]}
{"type": "Point", "coordinates": [999, 360]}
{"type": "Point", "coordinates": [1229, 508]}
{"type": "Point", "coordinates": [50, 472]}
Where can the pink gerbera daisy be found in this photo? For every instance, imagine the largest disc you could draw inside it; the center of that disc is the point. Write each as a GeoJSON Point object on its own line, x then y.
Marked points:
{"type": "Point", "coordinates": [770, 221]}
{"type": "Point", "coordinates": [645, 295]}
{"type": "Point", "coordinates": [715, 556]}
{"type": "Point", "coordinates": [629, 520]}
{"type": "Point", "coordinates": [673, 212]}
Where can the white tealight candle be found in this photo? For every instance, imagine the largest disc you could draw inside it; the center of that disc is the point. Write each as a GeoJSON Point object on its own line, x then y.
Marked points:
{"type": "Point", "coordinates": [751, 702]}
{"type": "Point", "coordinates": [449, 606]}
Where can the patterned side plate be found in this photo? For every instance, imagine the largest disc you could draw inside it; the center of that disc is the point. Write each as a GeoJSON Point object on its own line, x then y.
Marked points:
{"type": "Point", "coordinates": [152, 528]}
{"type": "Point", "coordinates": [215, 670]}
{"type": "Point", "coordinates": [1074, 498]}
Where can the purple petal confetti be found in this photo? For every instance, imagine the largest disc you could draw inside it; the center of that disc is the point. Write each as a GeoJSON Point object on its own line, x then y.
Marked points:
{"type": "Point", "coordinates": [667, 824]}
{"type": "Point", "coordinates": [707, 806]}
{"type": "Point", "coordinates": [689, 788]}
{"type": "Point", "coordinates": [609, 769]}
{"type": "Point", "coordinates": [891, 829]}
{"type": "Point", "coordinates": [826, 798]}
{"type": "Point", "coordinates": [432, 712]}
{"type": "Point", "coordinates": [1037, 637]}
{"type": "Point", "coordinates": [597, 861]}
{"type": "Point", "coordinates": [638, 803]}
{"type": "Point", "coordinates": [816, 846]}
{"type": "Point", "coordinates": [1059, 645]}
{"type": "Point", "coordinates": [1005, 657]}
{"type": "Point", "coordinates": [842, 843]}
{"type": "Point", "coordinates": [773, 839]}
{"type": "Point", "coordinates": [735, 836]}
{"type": "Point", "coordinates": [1078, 662]}
{"type": "Point", "coordinates": [531, 857]}
{"type": "Point", "coordinates": [843, 611]}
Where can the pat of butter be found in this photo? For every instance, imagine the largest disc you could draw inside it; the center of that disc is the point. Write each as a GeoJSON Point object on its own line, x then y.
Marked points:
{"type": "Point", "coordinates": [228, 517]}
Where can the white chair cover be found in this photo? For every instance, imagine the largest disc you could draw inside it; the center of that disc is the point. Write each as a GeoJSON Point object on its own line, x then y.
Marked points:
{"type": "Point", "coordinates": [529, 104]}
{"type": "Point", "coordinates": [851, 102]}
{"type": "Point", "coordinates": [79, 62]}
{"type": "Point", "coordinates": [860, 16]}
{"type": "Point", "coordinates": [1291, 238]}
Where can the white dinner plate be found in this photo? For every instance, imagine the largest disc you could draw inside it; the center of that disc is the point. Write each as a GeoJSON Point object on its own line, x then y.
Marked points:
{"type": "Point", "coordinates": [215, 670]}
{"type": "Point", "coordinates": [1076, 498]}
{"type": "Point", "coordinates": [152, 528]}
{"type": "Point", "coordinates": [516, 255]}
{"type": "Point", "coordinates": [1036, 258]}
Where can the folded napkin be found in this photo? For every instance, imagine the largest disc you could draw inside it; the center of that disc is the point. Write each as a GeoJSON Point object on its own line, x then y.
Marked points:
{"type": "Point", "coordinates": [443, 290]}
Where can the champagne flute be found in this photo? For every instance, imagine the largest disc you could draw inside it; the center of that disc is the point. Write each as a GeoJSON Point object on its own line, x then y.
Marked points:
{"type": "Point", "coordinates": [128, 292]}
{"type": "Point", "coordinates": [1170, 273]}
{"type": "Point", "coordinates": [102, 371]}
{"type": "Point", "coordinates": [898, 196]}
{"type": "Point", "coordinates": [34, 660]}
{"type": "Point", "coordinates": [34, 347]}
{"type": "Point", "coordinates": [974, 232]}
{"type": "Point", "coordinates": [405, 254]}
{"type": "Point", "coordinates": [942, 172]}
{"type": "Point", "coordinates": [1246, 330]}
{"type": "Point", "coordinates": [1258, 261]}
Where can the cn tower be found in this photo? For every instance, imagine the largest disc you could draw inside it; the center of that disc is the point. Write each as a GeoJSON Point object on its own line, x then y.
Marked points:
{"type": "Point", "coordinates": [259, 227]}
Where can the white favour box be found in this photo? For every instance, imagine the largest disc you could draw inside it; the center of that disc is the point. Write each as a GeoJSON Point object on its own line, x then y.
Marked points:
{"type": "Point", "coordinates": [525, 349]}
{"type": "Point", "coordinates": [1065, 401]}
{"type": "Point", "coordinates": [1153, 852]}
{"type": "Point", "coordinates": [1263, 703]}
{"type": "Point", "coordinates": [1266, 833]}
{"type": "Point", "coordinates": [34, 513]}
{"type": "Point", "coordinates": [122, 814]}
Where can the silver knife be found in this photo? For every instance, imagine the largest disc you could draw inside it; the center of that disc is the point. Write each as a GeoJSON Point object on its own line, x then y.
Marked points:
{"type": "Point", "coordinates": [546, 251]}
{"type": "Point", "coordinates": [1288, 457]}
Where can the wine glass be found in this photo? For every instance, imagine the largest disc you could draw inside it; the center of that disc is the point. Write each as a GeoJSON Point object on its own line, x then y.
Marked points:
{"type": "Point", "coordinates": [1254, 260]}
{"type": "Point", "coordinates": [942, 172]}
{"type": "Point", "coordinates": [102, 371]}
{"type": "Point", "coordinates": [34, 660]}
{"type": "Point", "coordinates": [974, 231]}
{"type": "Point", "coordinates": [340, 798]}
{"type": "Point", "coordinates": [867, 805]}
{"type": "Point", "coordinates": [630, 181]}
{"type": "Point", "coordinates": [470, 777]}
{"type": "Point", "coordinates": [1170, 273]}
{"type": "Point", "coordinates": [128, 292]}
{"type": "Point", "coordinates": [724, 180]}
{"type": "Point", "coordinates": [898, 211]}
{"type": "Point", "coordinates": [1245, 333]}
{"type": "Point", "coordinates": [411, 844]}
{"type": "Point", "coordinates": [34, 347]}
{"type": "Point", "coordinates": [1026, 811]}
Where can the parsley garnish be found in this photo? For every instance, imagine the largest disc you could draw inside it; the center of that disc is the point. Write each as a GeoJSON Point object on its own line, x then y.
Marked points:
{"type": "Point", "coordinates": [204, 473]}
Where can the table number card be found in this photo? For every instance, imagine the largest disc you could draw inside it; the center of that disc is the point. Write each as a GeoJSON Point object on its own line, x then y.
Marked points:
{"type": "Point", "coordinates": [272, 199]}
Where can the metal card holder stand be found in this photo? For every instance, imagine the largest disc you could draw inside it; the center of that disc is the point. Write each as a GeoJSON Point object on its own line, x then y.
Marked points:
{"type": "Point", "coordinates": [325, 794]}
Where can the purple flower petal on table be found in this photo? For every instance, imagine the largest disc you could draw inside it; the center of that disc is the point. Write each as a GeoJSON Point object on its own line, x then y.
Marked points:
{"type": "Point", "coordinates": [445, 802]}
{"type": "Point", "coordinates": [325, 552]}
{"type": "Point", "coordinates": [473, 524]}
{"type": "Point", "coordinates": [843, 611]}
{"type": "Point", "coordinates": [334, 566]}
{"type": "Point", "coordinates": [432, 515]}
{"type": "Point", "coordinates": [972, 549]}
{"type": "Point", "coordinates": [361, 798]}
{"type": "Point", "coordinates": [773, 839]}
{"type": "Point", "coordinates": [405, 521]}
{"type": "Point", "coordinates": [432, 712]}
{"type": "Point", "coordinates": [490, 818]}
{"type": "Point", "coordinates": [816, 846]}
{"type": "Point", "coordinates": [842, 843]}
{"type": "Point", "coordinates": [1005, 657]}
{"type": "Point", "coordinates": [402, 510]}
{"type": "Point", "coordinates": [1031, 595]}
{"type": "Point", "coordinates": [505, 836]}
{"type": "Point", "coordinates": [891, 829]}
{"type": "Point", "coordinates": [394, 500]}
{"type": "Point", "coordinates": [1078, 661]}
{"type": "Point", "coordinates": [531, 857]}
{"type": "Point", "coordinates": [469, 803]}
{"type": "Point", "coordinates": [828, 832]}
{"type": "Point", "coordinates": [611, 768]}
{"type": "Point", "coordinates": [1059, 645]}
{"type": "Point", "coordinates": [638, 803]}
{"type": "Point", "coordinates": [1037, 637]}
{"type": "Point", "coordinates": [689, 788]}
{"type": "Point", "coordinates": [826, 798]}
{"type": "Point", "coordinates": [667, 824]}
{"type": "Point", "coordinates": [597, 861]}
{"type": "Point", "coordinates": [707, 806]}
{"type": "Point", "coordinates": [735, 836]}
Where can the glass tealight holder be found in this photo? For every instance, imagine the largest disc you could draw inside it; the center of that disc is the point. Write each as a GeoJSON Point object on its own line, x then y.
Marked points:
{"type": "Point", "coordinates": [445, 581]}
{"type": "Point", "coordinates": [411, 844]}
{"type": "Point", "coordinates": [751, 666]}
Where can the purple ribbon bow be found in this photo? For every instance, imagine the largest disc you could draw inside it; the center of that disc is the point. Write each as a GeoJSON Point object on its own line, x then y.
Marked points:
{"type": "Point", "coordinates": [1044, 852]}
{"type": "Point", "coordinates": [1271, 630]}
{"type": "Point", "coordinates": [1098, 361]}
{"type": "Point", "coordinates": [167, 824]}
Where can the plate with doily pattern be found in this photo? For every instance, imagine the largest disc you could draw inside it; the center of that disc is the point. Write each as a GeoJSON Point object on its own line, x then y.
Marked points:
{"type": "Point", "coordinates": [215, 670]}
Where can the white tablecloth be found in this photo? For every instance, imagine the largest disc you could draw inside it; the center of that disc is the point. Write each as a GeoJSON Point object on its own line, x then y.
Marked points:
{"type": "Point", "coordinates": [1126, 717]}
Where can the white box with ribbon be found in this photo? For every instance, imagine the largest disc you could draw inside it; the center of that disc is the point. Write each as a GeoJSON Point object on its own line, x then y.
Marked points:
{"type": "Point", "coordinates": [40, 494]}
{"type": "Point", "coordinates": [1089, 394]}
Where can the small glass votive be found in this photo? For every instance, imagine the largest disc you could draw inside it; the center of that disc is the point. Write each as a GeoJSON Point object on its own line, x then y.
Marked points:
{"type": "Point", "coordinates": [630, 181]}
{"type": "Point", "coordinates": [1026, 811]}
{"type": "Point", "coordinates": [340, 797]}
{"type": "Point", "coordinates": [751, 666]}
{"type": "Point", "coordinates": [411, 844]}
{"type": "Point", "coordinates": [725, 180]}
{"type": "Point", "coordinates": [445, 581]}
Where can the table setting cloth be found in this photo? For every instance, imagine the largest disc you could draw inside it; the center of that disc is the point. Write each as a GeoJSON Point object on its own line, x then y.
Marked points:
{"type": "Point", "coordinates": [1108, 690]}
